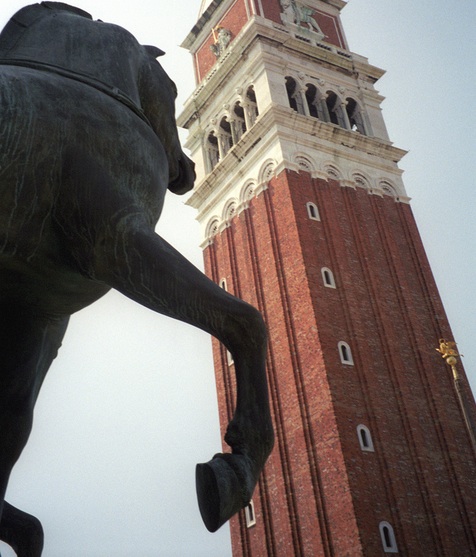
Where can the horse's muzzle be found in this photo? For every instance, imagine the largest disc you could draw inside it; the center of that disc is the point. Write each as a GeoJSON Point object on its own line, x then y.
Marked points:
{"type": "Point", "coordinates": [186, 176]}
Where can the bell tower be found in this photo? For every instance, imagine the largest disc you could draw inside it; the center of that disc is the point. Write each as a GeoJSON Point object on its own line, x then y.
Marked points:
{"type": "Point", "coordinates": [304, 214]}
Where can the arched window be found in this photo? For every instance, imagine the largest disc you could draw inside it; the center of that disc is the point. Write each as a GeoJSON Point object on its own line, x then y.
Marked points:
{"type": "Point", "coordinates": [251, 105]}
{"type": "Point", "coordinates": [335, 109]}
{"type": "Point", "coordinates": [213, 153]}
{"type": "Point", "coordinates": [239, 123]}
{"type": "Point", "coordinates": [312, 211]}
{"type": "Point", "coordinates": [225, 140]}
{"type": "Point", "coordinates": [328, 278]}
{"type": "Point", "coordinates": [250, 514]}
{"type": "Point", "coordinates": [294, 95]}
{"type": "Point", "coordinates": [223, 283]}
{"type": "Point", "coordinates": [345, 353]}
{"type": "Point", "coordinates": [311, 96]}
{"type": "Point", "coordinates": [356, 119]}
{"type": "Point", "coordinates": [315, 103]}
{"type": "Point", "coordinates": [387, 536]}
{"type": "Point", "coordinates": [365, 438]}
{"type": "Point", "coordinates": [291, 90]}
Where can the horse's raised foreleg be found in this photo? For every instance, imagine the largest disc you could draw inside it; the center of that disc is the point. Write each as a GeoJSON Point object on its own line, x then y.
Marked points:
{"type": "Point", "coordinates": [28, 345]}
{"type": "Point", "coordinates": [157, 276]}
{"type": "Point", "coordinates": [226, 483]}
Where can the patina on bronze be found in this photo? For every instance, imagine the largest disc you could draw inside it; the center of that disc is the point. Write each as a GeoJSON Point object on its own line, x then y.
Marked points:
{"type": "Point", "coordinates": [88, 148]}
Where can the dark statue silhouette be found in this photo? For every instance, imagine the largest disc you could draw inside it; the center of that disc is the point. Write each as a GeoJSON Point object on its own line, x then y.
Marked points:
{"type": "Point", "coordinates": [88, 148]}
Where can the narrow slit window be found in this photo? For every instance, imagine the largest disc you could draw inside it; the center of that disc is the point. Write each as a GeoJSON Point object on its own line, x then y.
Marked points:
{"type": "Point", "coordinates": [312, 211]}
{"type": "Point", "coordinates": [250, 514]}
{"type": "Point", "coordinates": [387, 536]}
{"type": "Point", "coordinates": [345, 353]}
{"type": "Point", "coordinates": [365, 438]}
{"type": "Point", "coordinates": [328, 278]}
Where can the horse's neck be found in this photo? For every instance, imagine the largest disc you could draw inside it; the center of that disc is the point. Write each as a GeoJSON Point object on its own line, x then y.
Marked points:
{"type": "Point", "coordinates": [98, 50]}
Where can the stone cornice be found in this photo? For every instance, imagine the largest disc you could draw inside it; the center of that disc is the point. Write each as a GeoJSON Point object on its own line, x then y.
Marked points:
{"type": "Point", "coordinates": [339, 4]}
{"type": "Point", "coordinates": [291, 122]}
{"type": "Point", "coordinates": [281, 124]}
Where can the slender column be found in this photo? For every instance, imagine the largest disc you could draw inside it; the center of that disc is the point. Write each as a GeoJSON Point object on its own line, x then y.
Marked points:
{"type": "Point", "coordinates": [345, 116]}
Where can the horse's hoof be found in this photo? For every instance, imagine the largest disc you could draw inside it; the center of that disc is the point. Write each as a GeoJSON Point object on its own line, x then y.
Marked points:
{"type": "Point", "coordinates": [22, 531]}
{"type": "Point", "coordinates": [224, 486]}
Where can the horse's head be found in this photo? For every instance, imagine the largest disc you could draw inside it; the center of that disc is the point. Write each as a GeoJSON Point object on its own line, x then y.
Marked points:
{"type": "Point", "coordinates": [157, 97]}
{"type": "Point", "coordinates": [55, 35]}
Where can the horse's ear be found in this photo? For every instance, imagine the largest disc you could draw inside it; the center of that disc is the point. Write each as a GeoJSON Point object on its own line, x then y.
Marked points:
{"type": "Point", "coordinates": [154, 51]}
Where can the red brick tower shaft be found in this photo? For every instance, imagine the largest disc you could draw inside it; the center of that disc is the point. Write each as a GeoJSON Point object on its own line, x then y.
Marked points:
{"type": "Point", "coordinates": [305, 215]}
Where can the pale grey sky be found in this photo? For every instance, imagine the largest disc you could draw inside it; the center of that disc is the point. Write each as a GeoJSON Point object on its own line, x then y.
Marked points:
{"type": "Point", "coordinates": [129, 406]}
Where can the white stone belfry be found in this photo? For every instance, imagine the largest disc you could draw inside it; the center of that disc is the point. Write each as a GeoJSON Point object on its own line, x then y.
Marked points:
{"type": "Point", "coordinates": [282, 96]}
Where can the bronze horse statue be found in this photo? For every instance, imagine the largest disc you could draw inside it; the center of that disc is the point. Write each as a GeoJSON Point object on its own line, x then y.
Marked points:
{"type": "Point", "coordinates": [88, 148]}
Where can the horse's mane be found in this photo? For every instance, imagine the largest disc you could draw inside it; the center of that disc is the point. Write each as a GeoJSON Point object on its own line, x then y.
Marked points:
{"type": "Point", "coordinates": [28, 15]}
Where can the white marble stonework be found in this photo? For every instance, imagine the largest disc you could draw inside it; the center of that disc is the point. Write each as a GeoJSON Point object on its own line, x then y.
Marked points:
{"type": "Point", "coordinates": [259, 60]}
